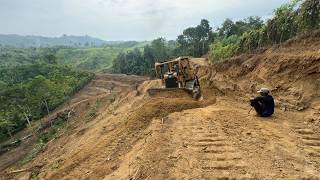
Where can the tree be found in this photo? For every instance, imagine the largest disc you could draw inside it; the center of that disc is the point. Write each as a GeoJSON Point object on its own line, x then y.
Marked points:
{"type": "Point", "coordinates": [228, 28]}
{"type": "Point", "coordinates": [284, 24]}
{"type": "Point", "coordinates": [195, 40]}
{"type": "Point", "coordinates": [3, 86]}
{"type": "Point", "coordinates": [206, 36]}
{"type": "Point", "coordinates": [6, 123]}
{"type": "Point", "coordinates": [50, 59]}
{"type": "Point", "coordinates": [40, 91]}
{"type": "Point", "coordinates": [309, 15]}
{"type": "Point", "coordinates": [182, 46]}
{"type": "Point", "coordinates": [142, 62]}
{"type": "Point", "coordinates": [254, 23]}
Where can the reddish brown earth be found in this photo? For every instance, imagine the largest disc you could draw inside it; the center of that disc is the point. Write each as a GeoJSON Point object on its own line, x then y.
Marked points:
{"type": "Point", "coordinates": [171, 136]}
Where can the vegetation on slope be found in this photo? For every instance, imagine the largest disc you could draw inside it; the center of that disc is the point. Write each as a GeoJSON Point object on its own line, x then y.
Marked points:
{"type": "Point", "coordinates": [92, 59]}
{"type": "Point", "coordinates": [30, 90]}
{"type": "Point", "coordinates": [98, 59]}
{"type": "Point", "coordinates": [250, 34]}
{"type": "Point", "coordinates": [140, 62]}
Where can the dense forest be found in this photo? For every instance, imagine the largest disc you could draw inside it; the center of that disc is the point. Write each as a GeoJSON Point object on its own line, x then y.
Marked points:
{"type": "Point", "coordinates": [32, 86]}
{"type": "Point", "coordinates": [230, 39]}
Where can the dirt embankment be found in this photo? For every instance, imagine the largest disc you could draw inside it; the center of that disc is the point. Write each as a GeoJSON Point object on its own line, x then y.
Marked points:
{"type": "Point", "coordinates": [171, 136]}
{"type": "Point", "coordinates": [290, 70]}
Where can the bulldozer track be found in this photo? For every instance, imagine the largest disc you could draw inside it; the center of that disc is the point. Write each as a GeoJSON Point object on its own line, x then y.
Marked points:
{"type": "Point", "coordinates": [208, 151]}
{"type": "Point", "coordinates": [310, 141]}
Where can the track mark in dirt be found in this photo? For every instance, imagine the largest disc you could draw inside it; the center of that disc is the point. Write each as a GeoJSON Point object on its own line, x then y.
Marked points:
{"type": "Point", "coordinates": [207, 152]}
{"type": "Point", "coordinates": [223, 142]}
{"type": "Point", "coordinates": [310, 141]}
{"type": "Point", "coordinates": [217, 155]}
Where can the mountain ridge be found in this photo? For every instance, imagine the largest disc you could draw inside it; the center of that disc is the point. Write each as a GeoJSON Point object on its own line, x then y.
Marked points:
{"type": "Point", "coordinates": [25, 41]}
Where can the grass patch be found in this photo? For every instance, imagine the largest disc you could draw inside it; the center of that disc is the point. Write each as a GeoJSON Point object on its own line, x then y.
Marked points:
{"type": "Point", "coordinates": [44, 137]}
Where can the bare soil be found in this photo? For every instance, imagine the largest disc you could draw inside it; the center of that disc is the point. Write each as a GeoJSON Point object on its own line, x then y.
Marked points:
{"type": "Point", "coordinates": [172, 136]}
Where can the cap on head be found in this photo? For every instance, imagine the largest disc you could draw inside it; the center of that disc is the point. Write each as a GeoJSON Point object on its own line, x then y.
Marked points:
{"type": "Point", "coordinates": [264, 90]}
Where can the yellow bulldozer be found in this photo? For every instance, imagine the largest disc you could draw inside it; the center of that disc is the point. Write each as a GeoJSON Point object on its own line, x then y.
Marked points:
{"type": "Point", "coordinates": [177, 74]}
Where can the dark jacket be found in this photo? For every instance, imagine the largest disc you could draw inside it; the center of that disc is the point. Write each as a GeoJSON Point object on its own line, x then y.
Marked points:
{"type": "Point", "coordinates": [264, 105]}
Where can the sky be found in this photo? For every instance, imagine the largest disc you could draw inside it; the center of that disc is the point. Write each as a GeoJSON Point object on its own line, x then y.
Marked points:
{"type": "Point", "coordinates": [123, 19]}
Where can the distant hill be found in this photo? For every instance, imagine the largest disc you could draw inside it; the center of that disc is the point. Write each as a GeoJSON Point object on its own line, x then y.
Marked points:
{"type": "Point", "coordinates": [14, 40]}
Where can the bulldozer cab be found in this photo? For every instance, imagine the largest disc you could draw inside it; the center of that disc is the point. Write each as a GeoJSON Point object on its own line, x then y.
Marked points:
{"type": "Point", "coordinates": [178, 74]}
{"type": "Point", "coordinates": [178, 70]}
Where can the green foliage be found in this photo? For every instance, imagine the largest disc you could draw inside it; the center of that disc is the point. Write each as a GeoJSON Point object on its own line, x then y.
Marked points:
{"type": "Point", "coordinates": [141, 62]}
{"type": "Point", "coordinates": [32, 91]}
{"type": "Point", "coordinates": [92, 59]}
{"type": "Point", "coordinates": [226, 47]}
{"type": "Point", "coordinates": [96, 59]}
{"type": "Point", "coordinates": [14, 56]}
{"type": "Point", "coordinates": [290, 19]}
{"type": "Point", "coordinates": [252, 40]}
{"type": "Point", "coordinates": [229, 28]}
{"type": "Point", "coordinates": [37, 148]}
{"type": "Point", "coordinates": [309, 15]}
{"type": "Point", "coordinates": [284, 25]}
{"type": "Point", "coordinates": [45, 137]}
{"type": "Point", "coordinates": [195, 40]}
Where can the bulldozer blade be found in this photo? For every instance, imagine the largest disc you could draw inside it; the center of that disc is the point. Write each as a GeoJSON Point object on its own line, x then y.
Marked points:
{"type": "Point", "coordinates": [169, 92]}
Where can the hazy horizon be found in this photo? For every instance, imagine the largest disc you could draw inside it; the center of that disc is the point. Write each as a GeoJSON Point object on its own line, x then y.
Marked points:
{"type": "Point", "coordinates": [122, 20]}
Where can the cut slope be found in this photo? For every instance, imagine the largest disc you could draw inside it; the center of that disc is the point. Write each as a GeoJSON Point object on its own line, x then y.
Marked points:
{"type": "Point", "coordinates": [291, 70]}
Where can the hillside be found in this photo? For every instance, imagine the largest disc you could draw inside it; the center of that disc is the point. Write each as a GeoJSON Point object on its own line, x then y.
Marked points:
{"type": "Point", "coordinates": [92, 59]}
{"type": "Point", "coordinates": [30, 92]}
{"type": "Point", "coordinates": [291, 70]}
{"type": "Point", "coordinates": [140, 137]}
{"type": "Point", "coordinates": [96, 59]}
{"type": "Point", "coordinates": [18, 41]}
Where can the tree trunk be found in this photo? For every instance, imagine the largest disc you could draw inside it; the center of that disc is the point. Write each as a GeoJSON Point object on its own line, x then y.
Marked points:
{"type": "Point", "coordinates": [27, 118]}
{"type": "Point", "coordinates": [281, 36]}
{"type": "Point", "coordinates": [47, 108]}
{"type": "Point", "coordinates": [9, 132]}
{"type": "Point", "coordinates": [203, 48]}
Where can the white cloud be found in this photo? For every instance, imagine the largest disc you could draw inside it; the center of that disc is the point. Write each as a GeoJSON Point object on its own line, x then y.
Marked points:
{"type": "Point", "coordinates": [122, 19]}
